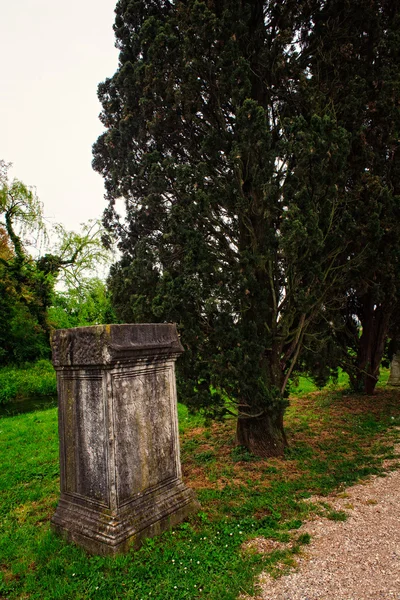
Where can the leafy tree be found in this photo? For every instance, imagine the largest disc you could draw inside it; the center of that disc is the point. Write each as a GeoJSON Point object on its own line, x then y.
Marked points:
{"type": "Point", "coordinates": [23, 331]}
{"type": "Point", "coordinates": [353, 52]}
{"type": "Point", "coordinates": [21, 336]}
{"type": "Point", "coordinates": [87, 304]}
{"type": "Point", "coordinates": [27, 283]}
{"type": "Point", "coordinates": [76, 255]}
{"type": "Point", "coordinates": [235, 227]}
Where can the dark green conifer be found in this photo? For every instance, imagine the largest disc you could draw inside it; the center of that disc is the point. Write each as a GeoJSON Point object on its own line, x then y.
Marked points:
{"type": "Point", "coordinates": [234, 223]}
{"type": "Point", "coordinates": [352, 49]}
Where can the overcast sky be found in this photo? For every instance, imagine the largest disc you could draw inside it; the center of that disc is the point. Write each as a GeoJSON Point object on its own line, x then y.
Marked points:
{"type": "Point", "coordinates": [53, 55]}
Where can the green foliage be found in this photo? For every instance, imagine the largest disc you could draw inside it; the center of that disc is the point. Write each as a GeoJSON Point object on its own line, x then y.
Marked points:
{"type": "Point", "coordinates": [24, 289]}
{"type": "Point", "coordinates": [76, 255]}
{"type": "Point", "coordinates": [235, 227]}
{"type": "Point", "coordinates": [27, 284]}
{"type": "Point", "coordinates": [21, 209]}
{"type": "Point", "coordinates": [22, 338]}
{"type": "Point", "coordinates": [88, 304]}
{"type": "Point", "coordinates": [355, 61]}
{"type": "Point", "coordinates": [27, 382]}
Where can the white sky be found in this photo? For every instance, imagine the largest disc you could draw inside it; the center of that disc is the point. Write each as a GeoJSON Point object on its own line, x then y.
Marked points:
{"type": "Point", "coordinates": [53, 55]}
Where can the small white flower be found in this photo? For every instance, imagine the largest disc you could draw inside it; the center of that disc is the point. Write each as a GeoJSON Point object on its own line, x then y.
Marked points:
{"type": "Point", "coordinates": [198, 562]}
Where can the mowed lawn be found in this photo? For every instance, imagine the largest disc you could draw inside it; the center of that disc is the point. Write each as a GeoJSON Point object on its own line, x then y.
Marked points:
{"type": "Point", "coordinates": [334, 439]}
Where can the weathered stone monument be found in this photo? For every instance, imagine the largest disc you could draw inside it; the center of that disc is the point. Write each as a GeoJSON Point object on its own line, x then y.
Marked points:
{"type": "Point", "coordinates": [394, 378]}
{"type": "Point", "coordinates": [119, 449]}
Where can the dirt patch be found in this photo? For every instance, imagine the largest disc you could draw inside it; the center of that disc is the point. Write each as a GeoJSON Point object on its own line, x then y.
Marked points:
{"type": "Point", "coordinates": [264, 546]}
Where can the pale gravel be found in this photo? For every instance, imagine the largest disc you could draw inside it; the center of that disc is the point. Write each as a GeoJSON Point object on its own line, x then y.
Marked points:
{"type": "Point", "coordinates": [358, 559]}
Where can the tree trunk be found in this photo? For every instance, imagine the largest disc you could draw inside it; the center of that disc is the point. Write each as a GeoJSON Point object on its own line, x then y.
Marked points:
{"type": "Point", "coordinates": [262, 435]}
{"type": "Point", "coordinates": [371, 346]}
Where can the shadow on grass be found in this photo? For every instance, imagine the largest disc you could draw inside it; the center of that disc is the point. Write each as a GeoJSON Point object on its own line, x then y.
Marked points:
{"type": "Point", "coordinates": [334, 440]}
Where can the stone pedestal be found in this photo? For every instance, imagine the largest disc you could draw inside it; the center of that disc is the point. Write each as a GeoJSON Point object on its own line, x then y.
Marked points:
{"type": "Point", "coordinates": [119, 449]}
{"type": "Point", "coordinates": [394, 378]}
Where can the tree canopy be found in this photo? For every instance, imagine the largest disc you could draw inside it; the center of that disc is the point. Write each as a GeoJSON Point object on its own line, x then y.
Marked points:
{"type": "Point", "coordinates": [83, 305]}
{"type": "Point", "coordinates": [228, 137]}
{"type": "Point", "coordinates": [354, 55]}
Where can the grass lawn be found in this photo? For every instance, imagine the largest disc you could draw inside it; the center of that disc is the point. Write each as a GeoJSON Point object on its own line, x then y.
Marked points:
{"type": "Point", "coordinates": [334, 438]}
{"type": "Point", "coordinates": [305, 385]}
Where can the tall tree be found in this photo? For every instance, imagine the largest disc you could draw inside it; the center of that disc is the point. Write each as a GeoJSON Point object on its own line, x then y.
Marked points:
{"type": "Point", "coordinates": [352, 49]}
{"type": "Point", "coordinates": [234, 225]}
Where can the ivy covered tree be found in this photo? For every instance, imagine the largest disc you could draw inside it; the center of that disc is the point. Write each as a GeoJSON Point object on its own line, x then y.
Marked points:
{"type": "Point", "coordinates": [234, 226]}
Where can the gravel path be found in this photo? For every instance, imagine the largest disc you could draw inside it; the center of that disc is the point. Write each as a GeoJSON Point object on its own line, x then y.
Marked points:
{"type": "Point", "coordinates": [358, 559]}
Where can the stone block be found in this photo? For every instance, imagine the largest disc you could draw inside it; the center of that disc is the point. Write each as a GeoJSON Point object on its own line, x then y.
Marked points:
{"type": "Point", "coordinates": [394, 378]}
{"type": "Point", "coordinates": [119, 448]}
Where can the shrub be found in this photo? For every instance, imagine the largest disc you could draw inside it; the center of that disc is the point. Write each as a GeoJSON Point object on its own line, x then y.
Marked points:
{"type": "Point", "coordinates": [28, 381]}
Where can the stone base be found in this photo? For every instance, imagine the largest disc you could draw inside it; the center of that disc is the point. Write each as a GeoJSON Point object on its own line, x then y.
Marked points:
{"type": "Point", "coordinates": [105, 532]}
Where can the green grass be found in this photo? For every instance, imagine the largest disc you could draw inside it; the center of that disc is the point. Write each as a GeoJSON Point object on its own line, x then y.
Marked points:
{"type": "Point", "coordinates": [334, 441]}
{"type": "Point", "coordinates": [27, 382]}
{"type": "Point", "coordinates": [305, 385]}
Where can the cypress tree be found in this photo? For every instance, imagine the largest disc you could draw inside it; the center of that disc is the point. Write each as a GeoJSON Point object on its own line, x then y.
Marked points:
{"type": "Point", "coordinates": [352, 49]}
{"type": "Point", "coordinates": [233, 227]}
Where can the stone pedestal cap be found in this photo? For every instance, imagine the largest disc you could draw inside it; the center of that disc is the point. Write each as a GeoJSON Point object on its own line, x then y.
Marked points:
{"type": "Point", "coordinates": [110, 344]}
